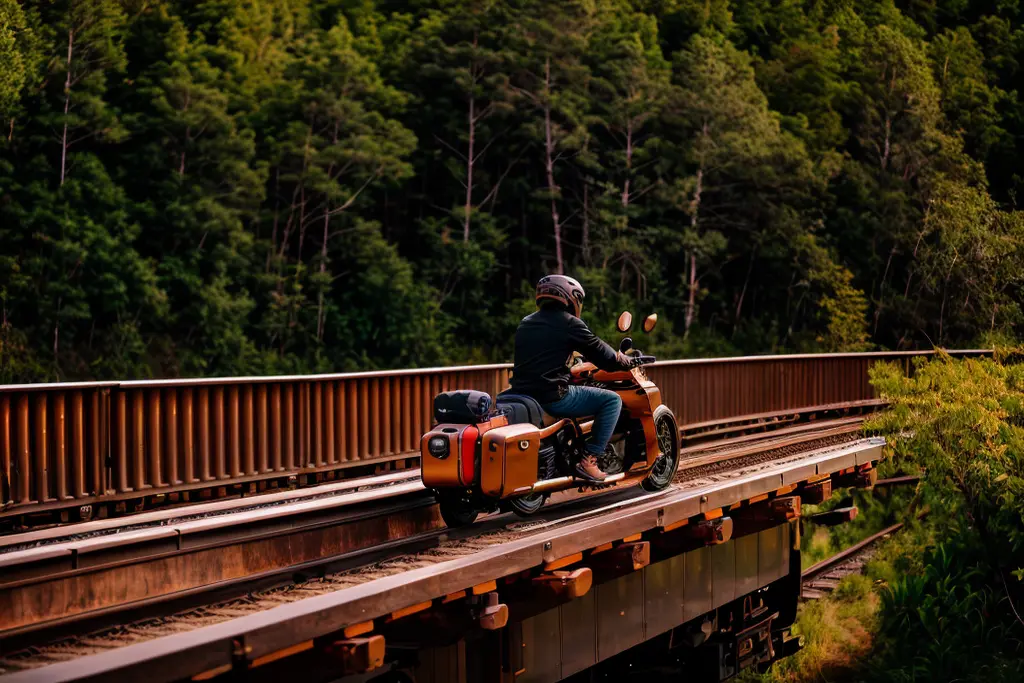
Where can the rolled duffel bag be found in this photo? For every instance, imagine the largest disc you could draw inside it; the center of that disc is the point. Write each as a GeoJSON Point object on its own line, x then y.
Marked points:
{"type": "Point", "coordinates": [462, 407]}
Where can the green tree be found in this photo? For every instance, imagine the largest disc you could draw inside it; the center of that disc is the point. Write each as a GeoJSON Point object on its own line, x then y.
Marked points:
{"type": "Point", "coordinates": [335, 144]}
{"type": "Point", "coordinates": [201, 194]}
{"type": "Point", "coordinates": [630, 86]}
{"type": "Point", "coordinates": [18, 54]}
{"type": "Point", "coordinates": [738, 170]}
{"type": "Point", "coordinates": [550, 78]}
{"type": "Point", "coordinates": [961, 422]}
{"type": "Point", "coordinates": [93, 31]}
{"type": "Point", "coordinates": [968, 100]}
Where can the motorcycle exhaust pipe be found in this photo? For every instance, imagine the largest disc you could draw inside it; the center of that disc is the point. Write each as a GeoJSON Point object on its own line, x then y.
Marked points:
{"type": "Point", "coordinates": [562, 483]}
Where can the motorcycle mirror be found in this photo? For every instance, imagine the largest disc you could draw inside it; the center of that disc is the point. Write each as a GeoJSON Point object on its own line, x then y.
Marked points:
{"type": "Point", "coordinates": [626, 344]}
{"type": "Point", "coordinates": [625, 321]}
{"type": "Point", "coordinates": [650, 321]}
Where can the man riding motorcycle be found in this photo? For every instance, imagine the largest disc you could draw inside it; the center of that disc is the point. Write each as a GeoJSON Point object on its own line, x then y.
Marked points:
{"type": "Point", "coordinates": [544, 344]}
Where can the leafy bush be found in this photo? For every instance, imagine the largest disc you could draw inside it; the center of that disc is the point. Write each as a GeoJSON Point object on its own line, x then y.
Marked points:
{"type": "Point", "coordinates": [957, 617]}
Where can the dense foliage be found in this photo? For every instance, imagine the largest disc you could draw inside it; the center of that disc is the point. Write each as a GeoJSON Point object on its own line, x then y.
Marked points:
{"type": "Point", "coordinates": [960, 611]}
{"type": "Point", "coordinates": [242, 186]}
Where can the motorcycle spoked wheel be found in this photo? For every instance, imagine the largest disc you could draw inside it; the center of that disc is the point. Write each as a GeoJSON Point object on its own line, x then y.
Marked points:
{"type": "Point", "coordinates": [456, 510]}
{"type": "Point", "coordinates": [528, 505]}
{"type": "Point", "coordinates": [664, 469]}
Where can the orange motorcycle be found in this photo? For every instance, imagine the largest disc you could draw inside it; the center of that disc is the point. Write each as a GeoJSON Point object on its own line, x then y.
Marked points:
{"type": "Point", "coordinates": [508, 454]}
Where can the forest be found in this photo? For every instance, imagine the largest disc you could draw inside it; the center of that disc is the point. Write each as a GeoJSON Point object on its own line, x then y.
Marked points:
{"type": "Point", "coordinates": [221, 187]}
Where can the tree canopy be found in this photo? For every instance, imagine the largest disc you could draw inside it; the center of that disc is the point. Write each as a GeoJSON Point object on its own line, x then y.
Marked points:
{"type": "Point", "coordinates": [259, 186]}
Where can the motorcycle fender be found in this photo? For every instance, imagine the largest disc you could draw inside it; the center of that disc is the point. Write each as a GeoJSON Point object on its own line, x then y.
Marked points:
{"type": "Point", "coordinates": [642, 405]}
{"type": "Point", "coordinates": [651, 438]}
{"type": "Point", "coordinates": [509, 459]}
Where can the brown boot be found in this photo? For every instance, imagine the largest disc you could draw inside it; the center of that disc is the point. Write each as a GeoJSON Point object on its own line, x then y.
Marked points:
{"type": "Point", "coordinates": [588, 469]}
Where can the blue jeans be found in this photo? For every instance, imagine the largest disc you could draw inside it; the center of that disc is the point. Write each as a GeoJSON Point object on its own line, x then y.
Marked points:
{"type": "Point", "coordinates": [604, 405]}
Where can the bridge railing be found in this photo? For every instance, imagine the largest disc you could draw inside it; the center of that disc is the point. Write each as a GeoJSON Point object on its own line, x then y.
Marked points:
{"type": "Point", "coordinates": [69, 444]}
{"type": "Point", "coordinates": [704, 389]}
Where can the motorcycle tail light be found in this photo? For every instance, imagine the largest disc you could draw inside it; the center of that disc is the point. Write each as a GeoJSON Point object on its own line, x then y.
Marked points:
{"type": "Point", "coordinates": [438, 447]}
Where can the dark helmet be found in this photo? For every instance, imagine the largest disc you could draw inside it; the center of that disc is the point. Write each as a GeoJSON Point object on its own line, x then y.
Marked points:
{"type": "Point", "coordinates": [562, 289]}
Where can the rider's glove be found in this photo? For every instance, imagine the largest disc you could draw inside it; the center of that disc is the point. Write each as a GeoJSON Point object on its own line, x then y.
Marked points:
{"type": "Point", "coordinates": [625, 361]}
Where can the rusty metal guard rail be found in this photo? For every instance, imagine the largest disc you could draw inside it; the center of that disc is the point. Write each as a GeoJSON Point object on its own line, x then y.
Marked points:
{"type": "Point", "coordinates": [71, 444]}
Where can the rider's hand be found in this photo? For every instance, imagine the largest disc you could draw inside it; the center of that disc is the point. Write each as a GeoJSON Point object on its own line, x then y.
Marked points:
{"type": "Point", "coordinates": [625, 361]}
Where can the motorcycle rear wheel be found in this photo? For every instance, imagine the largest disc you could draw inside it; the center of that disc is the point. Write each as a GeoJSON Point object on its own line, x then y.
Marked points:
{"type": "Point", "coordinates": [527, 505]}
{"type": "Point", "coordinates": [664, 469]}
{"type": "Point", "coordinates": [456, 511]}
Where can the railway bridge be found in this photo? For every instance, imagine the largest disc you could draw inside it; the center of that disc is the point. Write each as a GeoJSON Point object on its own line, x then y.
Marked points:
{"type": "Point", "coordinates": [253, 528]}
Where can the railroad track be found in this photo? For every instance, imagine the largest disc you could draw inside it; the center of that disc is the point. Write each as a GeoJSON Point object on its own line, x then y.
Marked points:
{"type": "Point", "coordinates": [822, 578]}
{"type": "Point", "coordinates": [492, 548]}
{"type": "Point", "coordinates": [137, 568]}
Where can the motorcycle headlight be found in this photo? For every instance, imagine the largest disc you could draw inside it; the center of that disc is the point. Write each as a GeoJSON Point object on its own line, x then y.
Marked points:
{"type": "Point", "coordinates": [438, 447]}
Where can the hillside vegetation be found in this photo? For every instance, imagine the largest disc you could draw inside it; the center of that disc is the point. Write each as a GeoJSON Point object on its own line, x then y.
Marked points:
{"type": "Point", "coordinates": [944, 599]}
{"type": "Point", "coordinates": [256, 186]}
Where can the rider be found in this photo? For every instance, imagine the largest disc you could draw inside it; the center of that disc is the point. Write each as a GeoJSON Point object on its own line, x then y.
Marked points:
{"type": "Point", "coordinates": [544, 343]}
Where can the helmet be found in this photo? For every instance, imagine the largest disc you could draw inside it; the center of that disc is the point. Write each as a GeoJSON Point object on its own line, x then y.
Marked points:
{"type": "Point", "coordinates": [562, 289]}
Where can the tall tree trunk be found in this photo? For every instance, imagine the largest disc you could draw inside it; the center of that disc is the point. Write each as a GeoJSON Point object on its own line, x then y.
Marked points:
{"type": "Point", "coordinates": [67, 105]}
{"type": "Point", "coordinates": [296, 202]}
{"type": "Point", "coordinates": [277, 218]}
{"type": "Point", "coordinates": [184, 151]}
{"type": "Point", "coordinates": [323, 269]}
{"type": "Point", "coordinates": [469, 169]}
{"type": "Point", "coordinates": [694, 283]}
{"type": "Point", "coordinates": [691, 301]}
{"type": "Point", "coordinates": [629, 164]}
{"type": "Point", "coordinates": [320, 316]}
{"type": "Point", "coordinates": [743, 292]}
{"type": "Point", "coordinates": [549, 163]}
{"type": "Point", "coordinates": [887, 145]}
{"type": "Point", "coordinates": [302, 203]}
{"type": "Point", "coordinates": [470, 157]}
{"type": "Point", "coordinates": [586, 220]}
{"type": "Point", "coordinates": [188, 135]}
{"type": "Point", "coordinates": [56, 330]}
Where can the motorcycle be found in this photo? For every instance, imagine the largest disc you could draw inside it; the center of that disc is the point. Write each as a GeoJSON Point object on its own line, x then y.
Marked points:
{"type": "Point", "coordinates": [509, 455]}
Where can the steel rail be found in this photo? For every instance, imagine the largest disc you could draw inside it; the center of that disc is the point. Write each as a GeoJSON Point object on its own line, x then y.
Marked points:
{"type": "Point", "coordinates": [713, 430]}
{"type": "Point", "coordinates": [819, 568]}
{"type": "Point", "coordinates": [817, 571]}
{"type": "Point", "coordinates": [154, 606]}
{"type": "Point", "coordinates": [170, 515]}
{"type": "Point", "coordinates": [145, 609]}
{"type": "Point", "coordinates": [216, 647]}
{"type": "Point", "coordinates": [58, 582]}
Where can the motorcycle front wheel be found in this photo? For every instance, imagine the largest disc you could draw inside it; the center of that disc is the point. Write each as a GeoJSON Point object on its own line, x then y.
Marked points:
{"type": "Point", "coordinates": [664, 469]}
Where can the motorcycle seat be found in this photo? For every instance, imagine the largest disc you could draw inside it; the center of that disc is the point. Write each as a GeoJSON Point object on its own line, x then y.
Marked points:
{"type": "Point", "coordinates": [521, 409]}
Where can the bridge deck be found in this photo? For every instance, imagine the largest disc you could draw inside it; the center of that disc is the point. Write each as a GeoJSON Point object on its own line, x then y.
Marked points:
{"type": "Point", "coordinates": [496, 562]}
